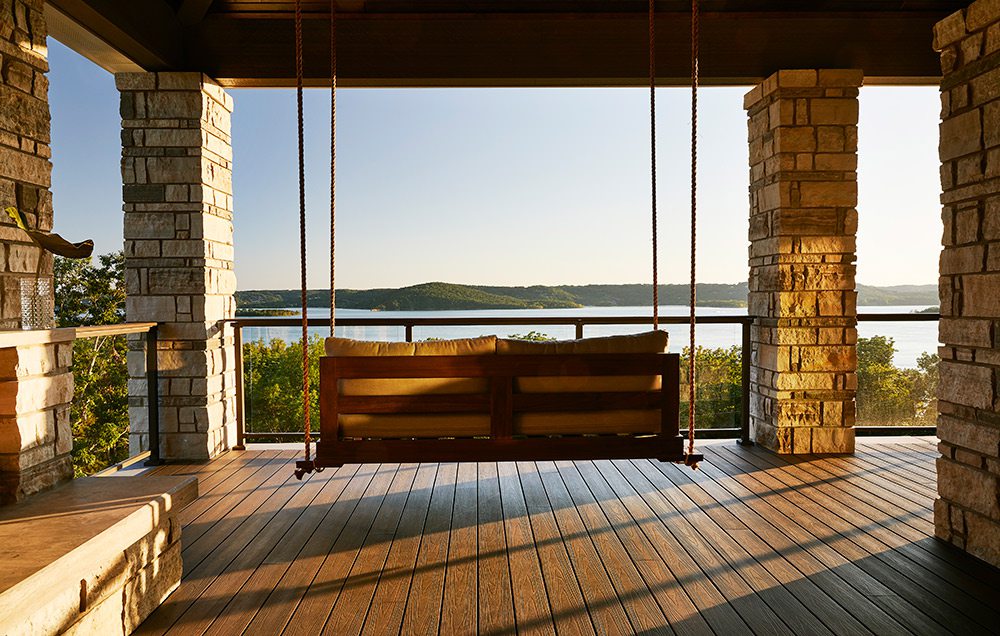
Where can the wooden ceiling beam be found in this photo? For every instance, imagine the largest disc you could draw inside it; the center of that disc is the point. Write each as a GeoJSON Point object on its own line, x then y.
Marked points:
{"type": "Point", "coordinates": [147, 33]}
{"type": "Point", "coordinates": [193, 11]}
{"type": "Point", "coordinates": [563, 47]}
{"type": "Point", "coordinates": [504, 49]}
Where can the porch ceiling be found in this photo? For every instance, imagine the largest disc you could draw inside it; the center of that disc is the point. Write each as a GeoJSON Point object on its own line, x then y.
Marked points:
{"type": "Point", "coordinates": [504, 42]}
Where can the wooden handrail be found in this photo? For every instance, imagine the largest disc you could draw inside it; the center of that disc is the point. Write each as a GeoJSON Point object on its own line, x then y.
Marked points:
{"type": "Point", "coordinates": [120, 329]}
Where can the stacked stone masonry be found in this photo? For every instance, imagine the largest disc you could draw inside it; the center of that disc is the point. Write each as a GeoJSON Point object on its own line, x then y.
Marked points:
{"type": "Point", "coordinates": [36, 388]}
{"type": "Point", "coordinates": [36, 383]}
{"type": "Point", "coordinates": [803, 222]}
{"type": "Point", "coordinates": [967, 513]}
{"type": "Point", "coordinates": [25, 169]}
{"type": "Point", "coordinates": [177, 175]}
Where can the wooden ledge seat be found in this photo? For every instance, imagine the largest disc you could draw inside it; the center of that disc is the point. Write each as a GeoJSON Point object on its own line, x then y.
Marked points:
{"type": "Point", "coordinates": [489, 399]}
{"type": "Point", "coordinates": [94, 556]}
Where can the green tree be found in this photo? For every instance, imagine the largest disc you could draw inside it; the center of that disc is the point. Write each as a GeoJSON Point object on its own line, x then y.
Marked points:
{"type": "Point", "coordinates": [94, 294]}
{"type": "Point", "coordinates": [272, 377]}
{"type": "Point", "coordinates": [888, 395]}
{"type": "Point", "coordinates": [719, 386]}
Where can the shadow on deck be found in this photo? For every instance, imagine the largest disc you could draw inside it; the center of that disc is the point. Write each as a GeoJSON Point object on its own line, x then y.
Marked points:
{"type": "Point", "coordinates": [751, 543]}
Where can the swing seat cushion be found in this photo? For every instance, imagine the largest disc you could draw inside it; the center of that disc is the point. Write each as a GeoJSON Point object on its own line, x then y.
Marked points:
{"type": "Point", "coordinates": [648, 342]}
{"type": "Point", "coordinates": [419, 425]}
{"type": "Point", "coordinates": [593, 422]}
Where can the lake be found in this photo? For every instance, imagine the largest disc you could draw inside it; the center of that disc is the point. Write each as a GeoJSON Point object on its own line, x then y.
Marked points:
{"type": "Point", "coordinates": [911, 338]}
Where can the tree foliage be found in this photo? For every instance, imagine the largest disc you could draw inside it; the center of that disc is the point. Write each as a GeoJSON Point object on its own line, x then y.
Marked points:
{"type": "Point", "coordinates": [889, 395]}
{"type": "Point", "coordinates": [718, 386]}
{"type": "Point", "coordinates": [94, 294]}
{"type": "Point", "coordinates": [272, 377]}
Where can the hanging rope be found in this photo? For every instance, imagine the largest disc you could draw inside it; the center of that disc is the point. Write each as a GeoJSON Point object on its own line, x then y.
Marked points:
{"type": "Point", "coordinates": [652, 156]}
{"type": "Point", "coordinates": [306, 465]}
{"type": "Point", "coordinates": [695, 35]}
{"type": "Point", "coordinates": [333, 165]}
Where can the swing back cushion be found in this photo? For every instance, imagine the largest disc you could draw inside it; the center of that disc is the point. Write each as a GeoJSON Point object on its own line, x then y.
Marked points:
{"type": "Point", "coordinates": [594, 422]}
{"type": "Point", "coordinates": [415, 425]}
{"type": "Point", "coordinates": [432, 425]}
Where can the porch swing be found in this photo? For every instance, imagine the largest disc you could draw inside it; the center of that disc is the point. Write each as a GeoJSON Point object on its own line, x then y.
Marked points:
{"type": "Point", "coordinates": [490, 399]}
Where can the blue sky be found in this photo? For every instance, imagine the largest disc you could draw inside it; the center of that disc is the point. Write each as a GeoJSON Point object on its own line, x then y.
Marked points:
{"type": "Point", "coordinates": [500, 186]}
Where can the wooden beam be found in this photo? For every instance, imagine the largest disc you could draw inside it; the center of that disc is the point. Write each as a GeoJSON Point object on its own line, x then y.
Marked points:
{"type": "Point", "coordinates": [504, 49]}
{"type": "Point", "coordinates": [146, 34]}
{"type": "Point", "coordinates": [193, 11]}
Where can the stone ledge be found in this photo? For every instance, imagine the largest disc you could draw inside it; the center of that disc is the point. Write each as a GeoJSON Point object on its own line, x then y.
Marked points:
{"type": "Point", "coordinates": [97, 533]}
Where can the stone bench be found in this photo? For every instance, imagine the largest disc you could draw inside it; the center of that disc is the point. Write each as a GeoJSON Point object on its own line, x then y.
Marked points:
{"type": "Point", "coordinates": [94, 556]}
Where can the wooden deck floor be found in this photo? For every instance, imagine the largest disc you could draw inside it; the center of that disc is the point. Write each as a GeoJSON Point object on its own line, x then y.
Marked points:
{"type": "Point", "coordinates": [751, 543]}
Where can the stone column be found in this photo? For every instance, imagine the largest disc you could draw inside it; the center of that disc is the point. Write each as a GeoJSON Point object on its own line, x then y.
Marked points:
{"type": "Point", "coordinates": [803, 221]}
{"type": "Point", "coordinates": [25, 171]}
{"type": "Point", "coordinates": [177, 174]}
{"type": "Point", "coordinates": [36, 387]}
{"type": "Point", "coordinates": [36, 382]}
{"type": "Point", "coordinates": [967, 513]}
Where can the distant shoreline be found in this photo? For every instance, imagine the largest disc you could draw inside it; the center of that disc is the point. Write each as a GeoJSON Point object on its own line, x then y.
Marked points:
{"type": "Point", "coordinates": [439, 296]}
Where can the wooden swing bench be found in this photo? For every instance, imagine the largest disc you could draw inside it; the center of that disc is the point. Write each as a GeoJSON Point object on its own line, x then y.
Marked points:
{"type": "Point", "coordinates": [484, 399]}
{"type": "Point", "coordinates": [499, 400]}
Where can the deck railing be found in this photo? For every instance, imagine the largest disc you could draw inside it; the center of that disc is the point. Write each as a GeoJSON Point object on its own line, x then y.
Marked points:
{"type": "Point", "coordinates": [579, 323]}
{"type": "Point", "coordinates": [148, 330]}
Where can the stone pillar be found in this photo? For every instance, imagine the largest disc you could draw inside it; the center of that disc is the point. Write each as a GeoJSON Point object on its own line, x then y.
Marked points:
{"type": "Point", "coordinates": [177, 174]}
{"type": "Point", "coordinates": [36, 387]}
{"type": "Point", "coordinates": [25, 171]}
{"type": "Point", "coordinates": [36, 382]}
{"type": "Point", "coordinates": [803, 221]}
{"type": "Point", "coordinates": [967, 513]}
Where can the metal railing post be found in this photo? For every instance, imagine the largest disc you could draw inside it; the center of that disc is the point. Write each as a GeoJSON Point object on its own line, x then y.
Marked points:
{"type": "Point", "coordinates": [745, 392]}
{"type": "Point", "coordinates": [240, 406]}
{"type": "Point", "coordinates": [153, 398]}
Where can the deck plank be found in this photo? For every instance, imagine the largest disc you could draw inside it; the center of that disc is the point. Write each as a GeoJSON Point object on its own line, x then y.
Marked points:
{"type": "Point", "coordinates": [851, 588]}
{"type": "Point", "coordinates": [610, 518]}
{"type": "Point", "coordinates": [460, 607]}
{"type": "Point", "coordinates": [231, 580]}
{"type": "Point", "coordinates": [422, 614]}
{"type": "Point", "coordinates": [324, 590]}
{"type": "Point", "coordinates": [245, 604]}
{"type": "Point", "coordinates": [751, 543]}
{"type": "Point", "coordinates": [565, 589]}
{"type": "Point", "coordinates": [389, 602]}
{"type": "Point", "coordinates": [532, 612]}
{"type": "Point", "coordinates": [287, 591]}
{"type": "Point", "coordinates": [496, 597]}
{"type": "Point", "coordinates": [842, 513]}
{"type": "Point", "coordinates": [348, 615]}
{"type": "Point", "coordinates": [776, 573]}
{"type": "Point", "coordinates": [900, 594]}
{"type": "Point", "coordinates": [605, 583]}
{"type": "Point", "coordinates": [223, 542]}
{"type": "Point", "coordinates": [752, 590]}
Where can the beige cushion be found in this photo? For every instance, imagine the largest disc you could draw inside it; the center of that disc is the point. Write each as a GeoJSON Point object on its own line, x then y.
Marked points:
{"type": "Point", "coordinates": [587, 423]}
{"type": "Point", "coordinates": [459, 347]}
{"type": "Point", "coordinates": [648, 342]}
{"type": "Point", "coordinates": [345, 347]}
{"type": "Point", "coordinates": [396, 426]}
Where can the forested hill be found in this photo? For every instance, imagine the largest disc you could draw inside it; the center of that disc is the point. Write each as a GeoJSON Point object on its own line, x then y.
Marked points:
{"type": "Point", "coordinates": [445, 296]}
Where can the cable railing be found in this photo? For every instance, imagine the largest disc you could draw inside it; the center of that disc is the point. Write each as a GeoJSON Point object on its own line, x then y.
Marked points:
{"type": "Point", "coordinates": [579, 324]}
{"type": "Point", "coordinates": [147, 342]}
